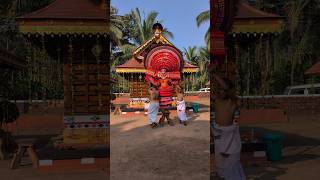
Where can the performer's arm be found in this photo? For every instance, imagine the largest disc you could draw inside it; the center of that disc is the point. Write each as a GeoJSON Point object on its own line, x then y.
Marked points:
{"type": "Point", "coordinates": [151, 80]}
{"type": "Point", "coordinates": [156, 84]}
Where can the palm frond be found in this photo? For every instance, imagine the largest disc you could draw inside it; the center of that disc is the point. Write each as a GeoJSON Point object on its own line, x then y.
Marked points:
{"type": "Point", "coordinates": [203, 17]}
{"type": "Point", "coordinates": [167, 33]}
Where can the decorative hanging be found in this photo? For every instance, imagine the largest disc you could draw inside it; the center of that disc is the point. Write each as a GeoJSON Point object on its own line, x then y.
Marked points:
{"type": "Point", "coordinates": [70, 51]}
{"type": "Point", "coordinates": [97, 52]}
{"type": "Point", "coordinates": [140, 79]}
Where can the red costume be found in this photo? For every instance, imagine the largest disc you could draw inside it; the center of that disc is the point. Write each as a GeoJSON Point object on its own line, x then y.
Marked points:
{"type": "Point", "coordinates": [164, 65]}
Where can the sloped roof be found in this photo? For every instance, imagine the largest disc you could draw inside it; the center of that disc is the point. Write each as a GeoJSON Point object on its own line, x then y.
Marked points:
{"type": "Point", "coordinates": [131, 63]}
{"type": "Point", "coordinates": [69, 9]}
{"type": "Point", "coordinates": [188, 65]}
{"type": "Point", "coordinates": [315, 69]}
{"type": "Point", "coordinates": [246, 11]}
{"type": "Point", "coordinates": [248, 19]}
{"type": "Point", "coordinates": [133, 66]}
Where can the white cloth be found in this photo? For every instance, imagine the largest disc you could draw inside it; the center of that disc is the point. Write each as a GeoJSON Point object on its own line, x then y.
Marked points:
{"type": "Point", "coordinates": [181, 110]}
{"type": "Point", "coordinates": [153, 110]}
{"type": "Point", "coordinates": [227, 140]}
{"type": "Point", "coordinates": [229, 167]}
{"type": "Point", "coordinates": [146, 106]}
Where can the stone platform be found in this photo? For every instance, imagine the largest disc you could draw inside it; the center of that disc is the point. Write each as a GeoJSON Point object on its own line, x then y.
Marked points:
{"type": "Point", "coordinates": [74, 160]}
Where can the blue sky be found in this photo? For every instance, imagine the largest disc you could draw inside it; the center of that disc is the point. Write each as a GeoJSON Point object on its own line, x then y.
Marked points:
{"type": "Point", "coordinates": [179, 17]}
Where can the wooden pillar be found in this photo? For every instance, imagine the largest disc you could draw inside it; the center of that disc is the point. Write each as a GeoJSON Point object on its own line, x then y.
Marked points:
{"type": "Point", "coordinates": [237, 63]}
{"type": "Point", "coordinates": [131, 86]}
{"type": "Point", "coordinates": [70, 88]}
{"type": "Point", "coordinates": [97, 50]}
{"type": "Point", "coordinates": [140, 84]}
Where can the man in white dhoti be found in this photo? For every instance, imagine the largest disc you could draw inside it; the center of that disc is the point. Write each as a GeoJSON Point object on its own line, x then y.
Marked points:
{"type": "Point", "coordinates": [181, 105]}
{"type": "Point", "coordinates": [153, 107]}
{"type": "Point", "coordinates": [226, 134]}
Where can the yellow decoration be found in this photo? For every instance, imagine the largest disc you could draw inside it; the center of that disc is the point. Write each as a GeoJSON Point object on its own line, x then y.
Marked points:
{"type": "Point", "coordinates": [163, 40]}
{"type": "Point", "coordinates": [63, 29]}
{"type": "Point", "coordinates": [86, 136]}
{"type": "Point", "coordinates": [135, 70]}
{"type": "Point", "coordinates": [252, 26]}
{"type": "Point", "coordinates": [174, 104]}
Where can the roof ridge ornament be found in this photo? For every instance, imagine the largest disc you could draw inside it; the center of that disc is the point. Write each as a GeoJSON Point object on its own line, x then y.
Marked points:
{"type": "Point", "coordinates": [157, 38]}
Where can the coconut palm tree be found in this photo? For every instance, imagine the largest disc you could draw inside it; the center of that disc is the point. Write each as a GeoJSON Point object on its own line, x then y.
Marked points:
{"type": "Point", "coordinates": [202, 18]}
{"type": "Point", "coordinates": [191, 55]}
{"type": "Point", "coordinates": [143, 27]}
{"type": "Point", "coordinates": [135, 32]}
{"type": "Point", "coordinates": [115, 26]}
{"type": "Point", "coordinates": [204, 60]}
{"type": "Point", "coordinates": [296, 27]}
{"type": "Point", "coordinates": [201, 58]}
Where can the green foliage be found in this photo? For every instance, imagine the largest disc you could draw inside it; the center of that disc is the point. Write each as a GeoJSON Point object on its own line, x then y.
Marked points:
{"type": "Point", "coordinates": [201, 58]}
{"type": "Point", "coordinates": [133, 30]}
{"type": "Point", "coordinates": [264, 71]}
{"type": "Point", "coordinates": [115, 27]}
{"type": "Point", "coordinates": [202, 18]}
{"type": "Point", "coordinates": [42, 78]}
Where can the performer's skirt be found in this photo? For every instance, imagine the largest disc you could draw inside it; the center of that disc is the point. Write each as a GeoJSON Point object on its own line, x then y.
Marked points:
{"type": "Point", "coordinates": [166, 97]}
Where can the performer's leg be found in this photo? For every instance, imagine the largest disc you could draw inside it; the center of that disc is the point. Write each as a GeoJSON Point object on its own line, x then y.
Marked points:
{"type": "Point", "coordinates": [167, 114]}
{"type": "Point", "coordinates": [161, 121]}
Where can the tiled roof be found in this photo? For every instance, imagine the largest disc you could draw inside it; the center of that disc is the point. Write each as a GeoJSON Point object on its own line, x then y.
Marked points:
{"type": "Point", "coordinates": [315, 69]}
{"type": "Point", "coordinates": [246, 11]}
{"type": "Point", "coordinates": [69, 9]}
{"type": "Point", "coordinates": [131, 63]}
{"type": "Point", "coordinates": [188, 65]}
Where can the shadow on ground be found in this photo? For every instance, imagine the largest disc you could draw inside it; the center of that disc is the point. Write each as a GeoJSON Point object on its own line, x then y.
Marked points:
{"type": "Point", "coordinates": [289, 139]}
{"type": "Point", "coordinates": [277, 169]}
{"type": "Point", "coordinates": [162, 153]}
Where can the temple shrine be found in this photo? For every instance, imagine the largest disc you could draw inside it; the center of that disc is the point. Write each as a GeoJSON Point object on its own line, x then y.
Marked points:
{"type": "Point", "coordinates": [75, 33]}
{"type": "Point", "coordinates": [138, 75]}
{"type": "Point", "coordinates": [236, 24]}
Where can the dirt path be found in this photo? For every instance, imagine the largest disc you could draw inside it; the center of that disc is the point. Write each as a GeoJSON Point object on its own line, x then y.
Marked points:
{"type": "Point", "coordinates": [28, 173]}
{"type": "Point", "coordinates": [301, 151]}
{"type": "Point", "coordinates": [171, 152]}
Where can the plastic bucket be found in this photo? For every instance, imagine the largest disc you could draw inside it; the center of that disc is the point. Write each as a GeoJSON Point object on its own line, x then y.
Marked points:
{"type": "Point", "coordinates": [195, 107]}
{"type": "Point", "coordinates": [274, 146]}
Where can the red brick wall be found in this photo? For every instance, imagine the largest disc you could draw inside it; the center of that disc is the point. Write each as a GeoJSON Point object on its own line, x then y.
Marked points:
{"type": "Point", "coordinates": [291, 104]}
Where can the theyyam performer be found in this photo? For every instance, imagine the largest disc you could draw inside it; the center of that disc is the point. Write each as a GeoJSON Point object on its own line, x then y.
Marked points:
{"type": "Point", "coordinates": [164, 65]}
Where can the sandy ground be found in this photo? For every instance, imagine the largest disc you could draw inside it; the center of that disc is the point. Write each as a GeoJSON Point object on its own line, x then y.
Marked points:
{"type": "Point", "coordinates": [27, 173]}
{"type": "Point", "coordinates": [141, 153]}
{"type": "Point", "coordinates": [301, 152]}
{"type": "Point", "coordinates": [167, 153]}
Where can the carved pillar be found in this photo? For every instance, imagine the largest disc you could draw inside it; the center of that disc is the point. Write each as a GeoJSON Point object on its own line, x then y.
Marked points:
{"type": "Point", "coordinates": [237, 64]}
{"type": "Point", "coordinates": [70, 88]}
{"type": "Point", "coordinates": [97, 50]}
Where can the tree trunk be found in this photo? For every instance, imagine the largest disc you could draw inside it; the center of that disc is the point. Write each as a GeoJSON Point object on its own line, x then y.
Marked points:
{"type": "Point", "coordinates": [248, 72]}
{"type": "Point", "coordinates": [292, 65]}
